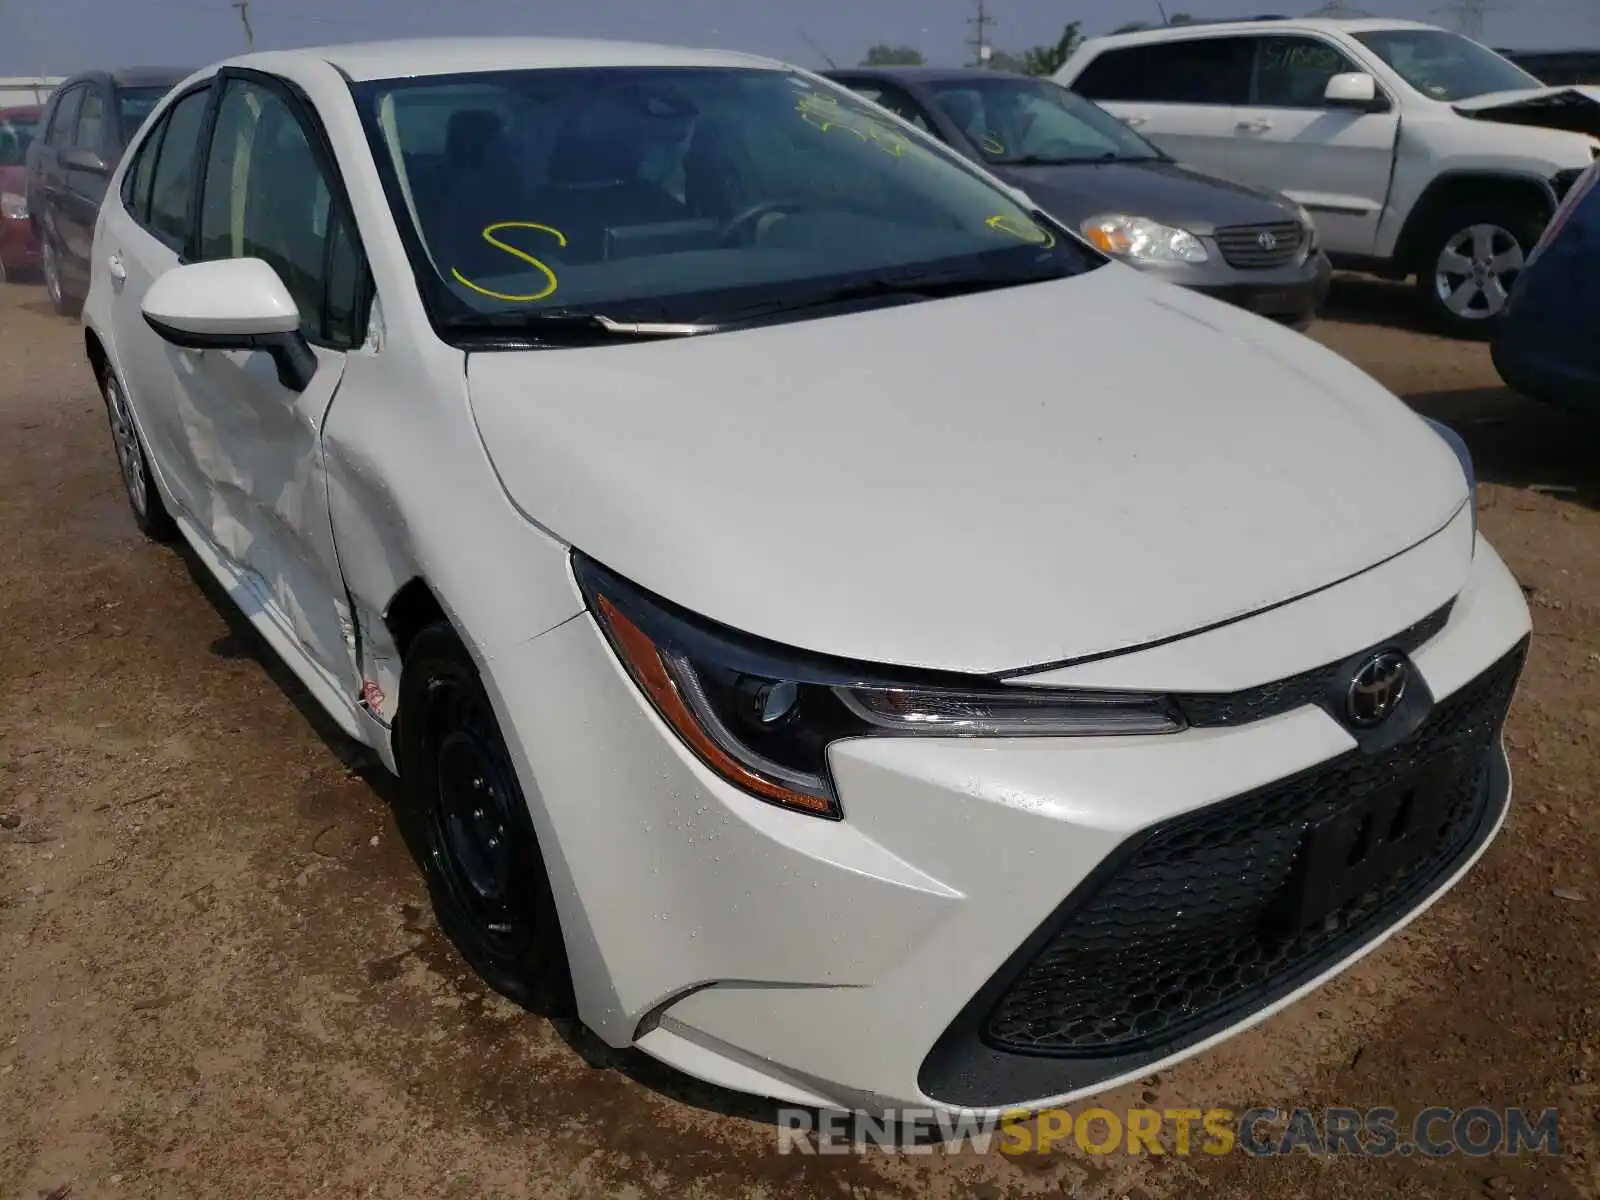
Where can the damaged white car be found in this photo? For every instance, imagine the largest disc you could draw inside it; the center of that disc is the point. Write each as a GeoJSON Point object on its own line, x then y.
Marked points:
{"type": "Point", "coordinates": [610, 438]}
{"type": "Point", "coordinates": [1417, 151]}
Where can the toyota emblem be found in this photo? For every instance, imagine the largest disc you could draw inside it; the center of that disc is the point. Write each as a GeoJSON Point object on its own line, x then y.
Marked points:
{"type": "Point", "coordinates": [1376, 688]}
{"type": "Point", "coordinates": [1267, 240]}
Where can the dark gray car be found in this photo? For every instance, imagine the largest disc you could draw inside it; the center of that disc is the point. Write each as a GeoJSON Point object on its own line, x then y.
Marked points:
{"type": "Point", "coordinates": [88, 124]}
{"type": "Point", "coordinates": [1095, 175]}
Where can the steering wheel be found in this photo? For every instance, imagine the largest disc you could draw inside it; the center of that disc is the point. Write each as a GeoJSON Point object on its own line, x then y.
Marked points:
{"type": "Point", "coordinates": [743, 222]}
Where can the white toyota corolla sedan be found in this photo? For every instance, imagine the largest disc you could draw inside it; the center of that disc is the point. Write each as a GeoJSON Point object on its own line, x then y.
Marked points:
{"type": "Point", "coordinates": [835, 629]}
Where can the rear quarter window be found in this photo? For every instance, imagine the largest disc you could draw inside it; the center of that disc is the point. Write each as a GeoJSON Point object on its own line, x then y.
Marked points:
{"type": "Point", "coordinates": [1212, 70]}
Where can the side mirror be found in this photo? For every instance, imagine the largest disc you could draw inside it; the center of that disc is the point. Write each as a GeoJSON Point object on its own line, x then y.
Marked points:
{"type": "Point", "coordinates": [1355, 89]}
{"type": "Point", "coordinates": [78, 159]}
{"type": "Point", "coordinates": [232, 304]}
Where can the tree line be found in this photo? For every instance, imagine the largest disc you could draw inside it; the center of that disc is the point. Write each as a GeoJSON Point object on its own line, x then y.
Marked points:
{"type": "Point", "coordinates": [1035, 60]}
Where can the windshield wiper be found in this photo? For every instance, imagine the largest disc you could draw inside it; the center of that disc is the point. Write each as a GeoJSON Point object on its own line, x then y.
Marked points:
{"type": "Point", "coordinates": [568, 321]}
{"type": "Point", "coordinates": [1036, 160]}
{"type": "Point", "coordinates": [910, 288]}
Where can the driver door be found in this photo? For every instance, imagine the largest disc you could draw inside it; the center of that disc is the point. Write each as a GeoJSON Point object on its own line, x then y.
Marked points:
{"type": "Point", "coordinates": [256, 445]}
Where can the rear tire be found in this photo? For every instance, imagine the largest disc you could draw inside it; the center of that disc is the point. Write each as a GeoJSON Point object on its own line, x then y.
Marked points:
{"type": "Point", "coordinates": [464, 817]}
{"type": "Point", "coordinates": [1469, 262]}
{"type": "Point", "coordinates": [144, 498]}
{"type": "Point", "coordinates": [64, 304]}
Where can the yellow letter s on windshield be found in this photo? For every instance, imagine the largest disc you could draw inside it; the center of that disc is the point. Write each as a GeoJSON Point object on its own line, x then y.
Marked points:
{"type": "Point", "coordinates": [488, 236]}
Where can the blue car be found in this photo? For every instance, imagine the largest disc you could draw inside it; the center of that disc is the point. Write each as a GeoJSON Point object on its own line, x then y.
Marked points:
{"type": "Point", "coordinates": [1549, 344]}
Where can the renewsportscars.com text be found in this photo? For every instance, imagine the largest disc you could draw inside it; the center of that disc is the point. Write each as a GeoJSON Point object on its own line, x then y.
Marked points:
{"type": "Point", "coordinates": [1376, 1132]}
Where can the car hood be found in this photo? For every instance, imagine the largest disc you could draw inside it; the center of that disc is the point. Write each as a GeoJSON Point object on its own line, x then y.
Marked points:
{"type": "Point", "coordinates": [978, 484]}
{"type": "Point", "coordinates": [1573, 109]}
{"type": "Point", "coordinates": [1163, 191]}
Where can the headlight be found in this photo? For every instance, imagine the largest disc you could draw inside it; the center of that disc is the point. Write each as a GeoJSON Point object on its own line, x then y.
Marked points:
{"type": "Point", "coordinates": [1303, 215]}
{"type": "Point", "coordinates": [763, 716]}
{"type": "Point", "coordinates": [1143, 240]}
{"type": "Point", "coordinates": [13, 206]}
{"type": "Point", "coordinates": [1454, 440]}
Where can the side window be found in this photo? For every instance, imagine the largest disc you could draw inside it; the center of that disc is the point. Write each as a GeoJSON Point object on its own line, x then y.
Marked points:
{"type": "Point", "coordinates": [1195, 71]}
{"type": "Point", "coordinates": [172, 182]}
{"type": "Point", "coordinates": [1293, 72]}
{"type": "Point", "coordinates": [65, 117]}
{"type": "Point", "coordinates": [91, 120]}
{"type": "Point", "coordinates": [897, 102]}
{"type": "Point", "coordinates": [266, 197]}
{"type": "Point", "coordinates": [136, 179]}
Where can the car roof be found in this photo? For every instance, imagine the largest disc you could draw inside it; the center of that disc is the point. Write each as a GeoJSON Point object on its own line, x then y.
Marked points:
{"type": "Point", "coordinates": [129, 77]}
{"type": "Point", "coordinates": [1271, 25]}
{"type": "Point", "coordinates": [405, 57]}
{"type": "Point", "coordinates": [927, 74]}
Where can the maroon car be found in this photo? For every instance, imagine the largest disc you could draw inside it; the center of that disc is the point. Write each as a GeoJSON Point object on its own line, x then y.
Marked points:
{"type": "Point", "coordinates": [19, 251]}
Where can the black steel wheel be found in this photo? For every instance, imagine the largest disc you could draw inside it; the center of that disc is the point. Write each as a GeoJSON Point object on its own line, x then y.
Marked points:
{"type": "Point", "coordinates": [465, 819]}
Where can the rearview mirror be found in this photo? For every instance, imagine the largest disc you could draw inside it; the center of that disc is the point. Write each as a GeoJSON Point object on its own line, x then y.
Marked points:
{"type": "Point", "coordinates": [232, 304]}
{"type": "Point", "coordinates": [84, 160]}
{"type": "Point", "coordinates": [1355, 89]}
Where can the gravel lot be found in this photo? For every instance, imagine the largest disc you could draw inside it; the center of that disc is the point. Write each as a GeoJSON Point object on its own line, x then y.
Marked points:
{"type": "Point", "coordinates": [219, 975]}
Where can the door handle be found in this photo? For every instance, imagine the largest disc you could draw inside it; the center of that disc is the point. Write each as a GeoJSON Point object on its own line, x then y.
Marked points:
{"type": "Point", "coordinates": [1258, 125]}
{"type": "Point", "coordinates": [119, 273]}
{"type": "Point", "coordinates": [1135, 121]}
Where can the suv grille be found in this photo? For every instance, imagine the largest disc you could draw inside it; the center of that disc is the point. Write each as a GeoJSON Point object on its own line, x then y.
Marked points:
{"type": "Point", "coordinates": [1195, 919]}
{"type": "Point", "coordinates": [1261, 247]}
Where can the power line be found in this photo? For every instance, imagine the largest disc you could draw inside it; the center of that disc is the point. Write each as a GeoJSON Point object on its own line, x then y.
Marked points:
{"type": "Point", "coordinates": [1468, 16]}
{"type": "Point", "coordinates": [980, 23]}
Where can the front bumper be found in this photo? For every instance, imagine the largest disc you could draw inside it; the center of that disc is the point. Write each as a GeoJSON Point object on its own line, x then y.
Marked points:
{"type": "Point", "coordinates": [837, 963]}
{"type": "Point", "coordinates": [1290, 295]}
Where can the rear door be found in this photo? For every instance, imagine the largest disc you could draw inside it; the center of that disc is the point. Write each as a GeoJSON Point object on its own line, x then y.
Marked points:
{"type": "Point", "coordinates": [46, 204]}
{"type": "Point", "coordinates": [145, 233]}
{"type": "Point", "coordinates": [1335, 161]}
{"type": "Point", "coordinates": [1182, 94]}
{"type": "Point", "coordinates": [82, 189]}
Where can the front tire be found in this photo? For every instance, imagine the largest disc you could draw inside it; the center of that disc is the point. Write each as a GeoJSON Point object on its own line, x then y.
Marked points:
{"type": "Point", "coordinates": [462, 812]}
{"type": "Point", "coordinates": [1469, 263]}
{"type": "Point", "coordinates": [144, 499]}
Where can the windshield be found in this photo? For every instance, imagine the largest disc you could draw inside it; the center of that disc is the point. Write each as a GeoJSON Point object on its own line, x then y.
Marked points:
{"type": "Point", "coordinates": [678, 194]}
{"type": "Point", "coordinates": [136, 104]}
{"type": "Point", "coordinates": [1037, 122]}
{"type": "Point", "coordinates": [16, 131]}
{"type": "Point", "coordinates": [1446, 66]}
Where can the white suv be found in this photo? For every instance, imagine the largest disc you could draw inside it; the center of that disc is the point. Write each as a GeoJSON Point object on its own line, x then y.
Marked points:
{"type": "Point", "coordinates": [1418, 151]}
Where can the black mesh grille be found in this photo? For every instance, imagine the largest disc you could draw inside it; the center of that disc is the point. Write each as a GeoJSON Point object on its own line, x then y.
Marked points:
{"type": "Point", "coordinates": [1308, 687]}
{"type": "Point", "coordinates": [1261, 247]}
{"type": "Point", "coordinates": [1193, 921]}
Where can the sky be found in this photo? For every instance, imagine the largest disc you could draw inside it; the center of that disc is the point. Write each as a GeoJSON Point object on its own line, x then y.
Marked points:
{"type": "Point", "coordinates": [63, 36]}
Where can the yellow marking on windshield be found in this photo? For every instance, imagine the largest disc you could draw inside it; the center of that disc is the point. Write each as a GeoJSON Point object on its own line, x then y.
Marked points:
{"type": "Point", "coordinates": [488, 236]}
{"type": "Point", "coordinates": [825, 113]}
{"type": "Point", "coordinates": [992, 144]}
{"type": "Point", "coordinates": [1026, 230]}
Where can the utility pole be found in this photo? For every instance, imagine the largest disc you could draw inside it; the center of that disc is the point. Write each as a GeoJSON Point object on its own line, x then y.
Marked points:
{"type": "Point", "coordinates": [244, 18]}
{"type": "Point", "coordinates": [980, 34]}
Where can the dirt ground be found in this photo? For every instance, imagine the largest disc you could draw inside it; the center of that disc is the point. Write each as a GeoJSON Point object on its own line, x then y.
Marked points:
{"type": "Point", "coordinates": [219, 975]}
